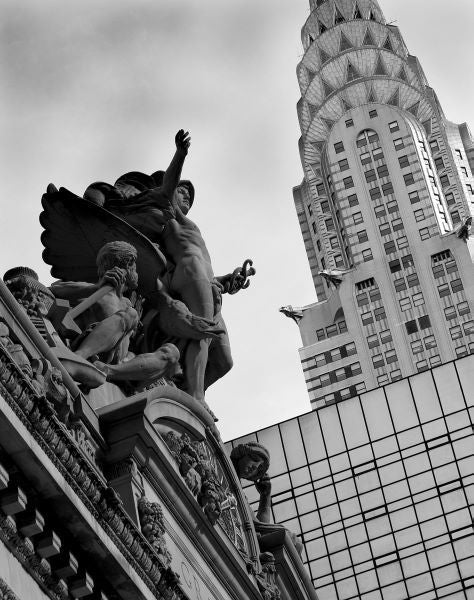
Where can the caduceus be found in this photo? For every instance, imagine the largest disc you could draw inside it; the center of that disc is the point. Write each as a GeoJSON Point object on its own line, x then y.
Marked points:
{"type": "Point", "coordinates": [239, 279]}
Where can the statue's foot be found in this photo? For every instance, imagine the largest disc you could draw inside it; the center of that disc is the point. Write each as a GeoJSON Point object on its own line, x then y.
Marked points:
{"type": "Point", "coordinates": [208, 409]}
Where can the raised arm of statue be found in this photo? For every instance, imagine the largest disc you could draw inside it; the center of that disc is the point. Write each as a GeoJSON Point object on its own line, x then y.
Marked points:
{"type": "Point", "coordinates": [264, 488]}
{"type": "Point", "coordinates": [172, 174]}
{"type": "Point", "coordinates": [77, 290]}
{"type": "Point", "coordinates": [161, 186]}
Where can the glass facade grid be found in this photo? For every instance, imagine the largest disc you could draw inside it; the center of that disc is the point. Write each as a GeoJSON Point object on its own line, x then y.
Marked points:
{"type": "Point", "coordinates": [380, 488]}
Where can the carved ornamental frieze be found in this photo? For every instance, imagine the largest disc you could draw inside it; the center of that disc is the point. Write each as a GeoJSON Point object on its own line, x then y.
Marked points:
{"type": "Point", "coordinates": [34, 401]}
{"type": "Point", "coordinates": [206, 478]}
{"type": "Point", "coordinates": [153, 527]}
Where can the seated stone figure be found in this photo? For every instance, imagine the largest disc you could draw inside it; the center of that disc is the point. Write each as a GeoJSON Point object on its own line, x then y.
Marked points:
{"type": "Point", "coordinates": [251, 461]}
{"type": "Point", "coordinates": [108, 323]}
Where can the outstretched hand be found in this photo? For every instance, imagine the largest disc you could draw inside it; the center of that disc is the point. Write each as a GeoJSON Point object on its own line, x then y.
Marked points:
{"type": "Point", "coordinates": [182, 140]}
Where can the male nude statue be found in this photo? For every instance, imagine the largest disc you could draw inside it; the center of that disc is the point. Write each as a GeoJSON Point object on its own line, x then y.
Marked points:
{"type": "Point", "coordinates": [108, 324]}
{"type": "Point", "coordinates": [158, 205]}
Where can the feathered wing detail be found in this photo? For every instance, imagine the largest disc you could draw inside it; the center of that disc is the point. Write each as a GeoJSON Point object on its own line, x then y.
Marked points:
{"type": "Point", "coordinates": [74, 231]}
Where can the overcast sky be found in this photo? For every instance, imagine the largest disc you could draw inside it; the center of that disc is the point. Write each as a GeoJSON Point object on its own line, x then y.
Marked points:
{"type": "Point", "coordinates": [93, 89]}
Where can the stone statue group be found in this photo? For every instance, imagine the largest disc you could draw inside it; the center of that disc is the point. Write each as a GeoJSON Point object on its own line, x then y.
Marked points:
{"type": "Point", "coordinates": [137, 299]}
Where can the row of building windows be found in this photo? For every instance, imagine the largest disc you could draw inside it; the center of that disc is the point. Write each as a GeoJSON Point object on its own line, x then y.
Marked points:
{"type": "Point", "coordinates": [379, 360]}
{"type": "Point", "coordinates": [376, 315]}
{"type": "Point", "coordinates": [427, 232]}
{"type": "Point", "coordinates": [406, 303]}
{"type": "Point", "coordinates": [366, 137]}
{"type": "Point", "coordinates": [415, 324]}
{"type": "Point", "coordinates": [426, 343]}
{"type": "Point", "coordinates": [402, 283]}
{"type": "Point", "coordinates": [385, 189]}
{"type": "Point", "coordinates": [451, 312]}
{"type": "Point", "coordinates": [330, 356]}
{"type": "Point", "coordinates": [376, 339]}
{"type": "Point", "coordinates": [453, 286]}
{"type": "Point", "coordinates": [404, 262]}
{"type": "Point", "coordinates": [365, 284]}
{"type": "Point", "coordinates": [332, 377]}
{"type": "Point", "coordinates": [467, 329]}
{"type": "Point", "coordinates": [371, 174]}
{"type": "Point", "coordinates": [464, 350]}
{"type": "Point", "coordinates": [331, 330]}
{"type": "Point", "coordinates": [442, 256]}
{"type": "Point", "coordinates": [441, 270]}
{"type": "Point", "coordinates": [343, 394]}
{"type": "Point", "coordinates": [374, 155]}
{"type": "Point", "coordinates": [386, 377]}
{"type": "Point", "coordinates": [364, 298]}
{"type": "Point", "coordinates": [393, 245]}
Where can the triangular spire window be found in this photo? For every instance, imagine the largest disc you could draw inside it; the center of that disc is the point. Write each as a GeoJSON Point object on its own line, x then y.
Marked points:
{"type": "Point", "coordinates": [352, 72]}
{"type": "Point", "coordinates": [345, 105]}
{"type": "Point", "coordinates": [319, 2]}
{"type": "Point", "coordinates": [402, 75]}
{"type": "Point", "coordinates": [388, 44]}
{"type": "Point", "coordinates": [322, 27]}
{"type": "Point", "coordinates": [394, 99]}
{"type": "Point", "coordinates": [380, 67]}
{"type": "Point", "coordinates": [345, 43]}
{"type": "Point", "coordinates": [414, 109]}
{"type": "Point", "coordinates": [357, 13]}
{"type": "Point", "coordinates": [372, 16]}
{"type": "Point", "coordinates": [328, 89]}
{"type": "Point", "coordinates": [318, 146]}
{"type": "Point", "coordinates": [338, 16]}
{"type": "Point", "coordinates": [324, 56]}
{"type": "Point", "coordinates": [369, 38]}
{"type": "Point", "coordinates": [327, 122]}
{"type": "Point", "coordinates": [313, 110]}
{"type": "Point", "coordinates": [371, 96]}
{"type": "Point", "coordinates": [427, 125]}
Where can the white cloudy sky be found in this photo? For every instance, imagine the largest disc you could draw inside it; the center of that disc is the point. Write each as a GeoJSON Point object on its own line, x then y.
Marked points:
{"type": "Point", "coordinates": [93, 89]}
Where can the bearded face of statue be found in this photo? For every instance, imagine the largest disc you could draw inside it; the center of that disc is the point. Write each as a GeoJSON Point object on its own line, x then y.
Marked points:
{"type": "Point", "coordinates": [250, 467]}
{"type": "Point", "coordinates": [131, 278]}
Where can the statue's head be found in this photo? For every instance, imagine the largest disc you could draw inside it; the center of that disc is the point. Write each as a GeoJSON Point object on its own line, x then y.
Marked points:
{"type": "Point", "coordinates": [250, 460]}
{"type": "Point", "coordinates": [119, 254]}
{"type": "Point", "coordinates": [184, 195]}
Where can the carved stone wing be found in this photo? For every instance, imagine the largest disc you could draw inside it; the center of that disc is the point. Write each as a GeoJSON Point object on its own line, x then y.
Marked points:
{"type": "Point", "coordinates": [74, 231]}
